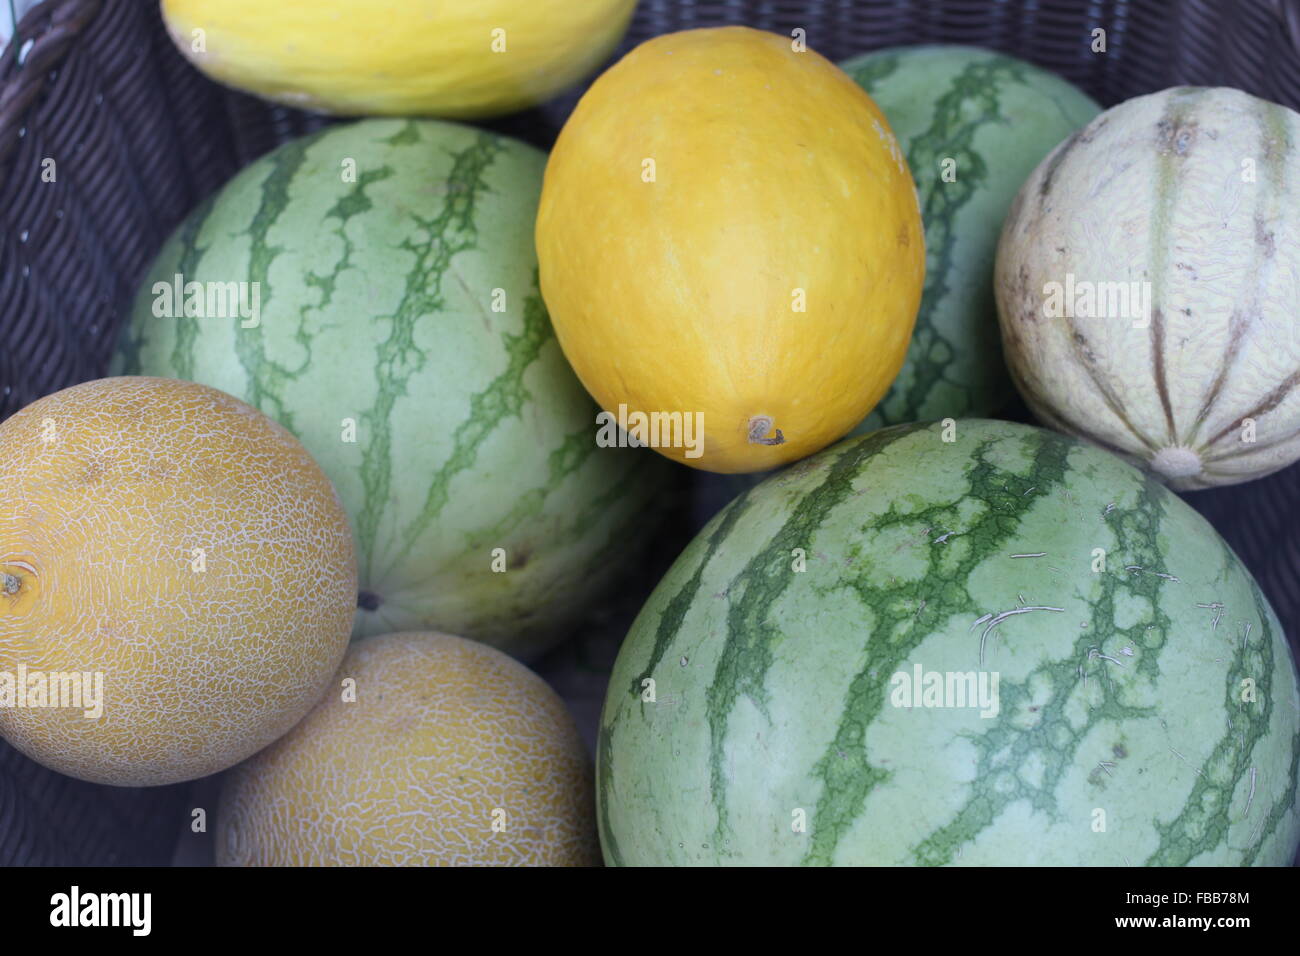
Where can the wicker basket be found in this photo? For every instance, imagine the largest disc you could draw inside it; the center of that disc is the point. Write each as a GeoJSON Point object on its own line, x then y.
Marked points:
{"type": "Point", "coordinates": [139, 138]}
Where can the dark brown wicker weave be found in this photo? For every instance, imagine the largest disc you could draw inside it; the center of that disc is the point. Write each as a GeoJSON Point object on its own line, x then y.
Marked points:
{"type": "Point", "coordinates": [139, 137]}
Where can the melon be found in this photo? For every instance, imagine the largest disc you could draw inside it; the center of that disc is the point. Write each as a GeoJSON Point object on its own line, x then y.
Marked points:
{"type": "Point", "coordinates": [430, 750]}
{"type": "Point", "coordinates": [373, 288]}
{"type": "Point", "coordinates": [1147, 280]}
{"type": "Point", "coordinates": [973, 124]}
{"type": "Point", "coordinates": [177, 581]}
{"type": "Point", "coordinates": [458, 59]}
{"type": "Point", "coordinates": [729, 239]}
{"type": "Point", "coordinates": [986, 644]}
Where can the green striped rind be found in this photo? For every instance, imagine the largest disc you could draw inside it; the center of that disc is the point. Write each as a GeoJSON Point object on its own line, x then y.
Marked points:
{"type": "Point", "coordinates": [377, 293]}
{"type": "Point", "coordinates": [1122, 710]}
{"type": "Point", "coordinates": [995, 117]}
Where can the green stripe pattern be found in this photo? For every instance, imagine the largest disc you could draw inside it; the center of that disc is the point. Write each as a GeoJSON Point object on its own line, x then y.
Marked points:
{"type": "Point", "coordinates": [1148, 711]}
{"type": "Point", "coordinates": [398, 291]}
{"type": "Point", "coordinates": [974, 124]}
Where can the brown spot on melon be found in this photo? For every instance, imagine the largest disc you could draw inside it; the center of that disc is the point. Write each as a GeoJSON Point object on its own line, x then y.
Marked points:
{"type": "Point", "coordinates": [1176, 138]}
{"type": "Point", "coordinates": [1264, 238]}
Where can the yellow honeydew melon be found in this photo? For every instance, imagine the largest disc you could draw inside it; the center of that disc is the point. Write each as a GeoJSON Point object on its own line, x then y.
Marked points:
{"type": "Point", "coordinates": [429, 750]}
{"type": "Point", "coordinates": [1147, 281]}
{"type": "Point", "coordinates": [451, 58]}
{"type": "Point", "coordinates": [181, 554]}
{"type": "Point", "coordinates": [728, 228]}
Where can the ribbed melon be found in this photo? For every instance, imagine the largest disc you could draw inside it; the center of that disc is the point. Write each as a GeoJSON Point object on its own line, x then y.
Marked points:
{"type": "Point", "coordinates": [973, 124]}
{"type": "Point", "coordinates": [1147, 281]}
{"type": "Point", "coordinates": [1148, 707]}
{"type": "Point", "coordinates": [402, 337]}
{"type": "Point", "coordinates": [448, 753]}
{"type": "Point", "coordinates": [186, 549]}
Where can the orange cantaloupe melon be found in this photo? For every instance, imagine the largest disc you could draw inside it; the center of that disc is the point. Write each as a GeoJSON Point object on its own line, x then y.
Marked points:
{"type": "Point", "coordinates": [184, 547]}
{"type": "Point", "coordinates": [430, 750]}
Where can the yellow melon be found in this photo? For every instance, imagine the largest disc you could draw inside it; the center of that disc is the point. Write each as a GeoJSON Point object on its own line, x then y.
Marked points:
{"type": "Point", "coordinates": [728, 230]}
{"type": "Point", "coordinates": [185, 566]}
{"type": "Point", "coordinates": [431, 750]}
{"type": "Point", "coordinates": [453, 58]}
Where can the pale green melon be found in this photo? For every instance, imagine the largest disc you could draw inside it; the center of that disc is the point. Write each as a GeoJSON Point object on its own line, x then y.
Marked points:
{"type": "Point", "coordinates": [1148, 280]}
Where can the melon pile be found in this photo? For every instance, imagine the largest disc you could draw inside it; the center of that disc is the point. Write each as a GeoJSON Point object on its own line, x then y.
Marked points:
{"type": "Point", "coordinates": [401, 408]}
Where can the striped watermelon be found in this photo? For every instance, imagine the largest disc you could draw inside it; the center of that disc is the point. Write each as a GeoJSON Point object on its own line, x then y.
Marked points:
{"type": "Point", "coordinates": [974, 124]}
{"type": "Point", "coordinates": [1148, 279]}
{"type": "Point", "coordinates": [1146, 709]}
{"type": "Point", "coordinates": [403, 339]}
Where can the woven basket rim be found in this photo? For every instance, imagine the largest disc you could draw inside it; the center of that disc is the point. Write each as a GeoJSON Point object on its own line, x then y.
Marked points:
{"type": "Point", "coordinates": [51, 27]}
{"type": "Point", "coordinates": [40, 41]}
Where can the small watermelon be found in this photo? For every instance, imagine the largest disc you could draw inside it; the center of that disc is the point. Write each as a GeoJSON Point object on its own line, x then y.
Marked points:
{"type": "Point", "coordinates": [973, 124]}
{"type": "Point", "coordinates": [988, 644]}
{"type": "Point", "coordinates": [373, 288]}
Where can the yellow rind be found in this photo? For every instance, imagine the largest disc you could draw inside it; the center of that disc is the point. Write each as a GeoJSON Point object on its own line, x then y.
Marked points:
{"type": "Point", "coordinates": [776, 183]}
{"type": "Point", "coordinates": [186, 547]}
{"type": "Point", "coordinates": [399, 57]}
{"type": "Point", "coordinates": [450, 753]}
